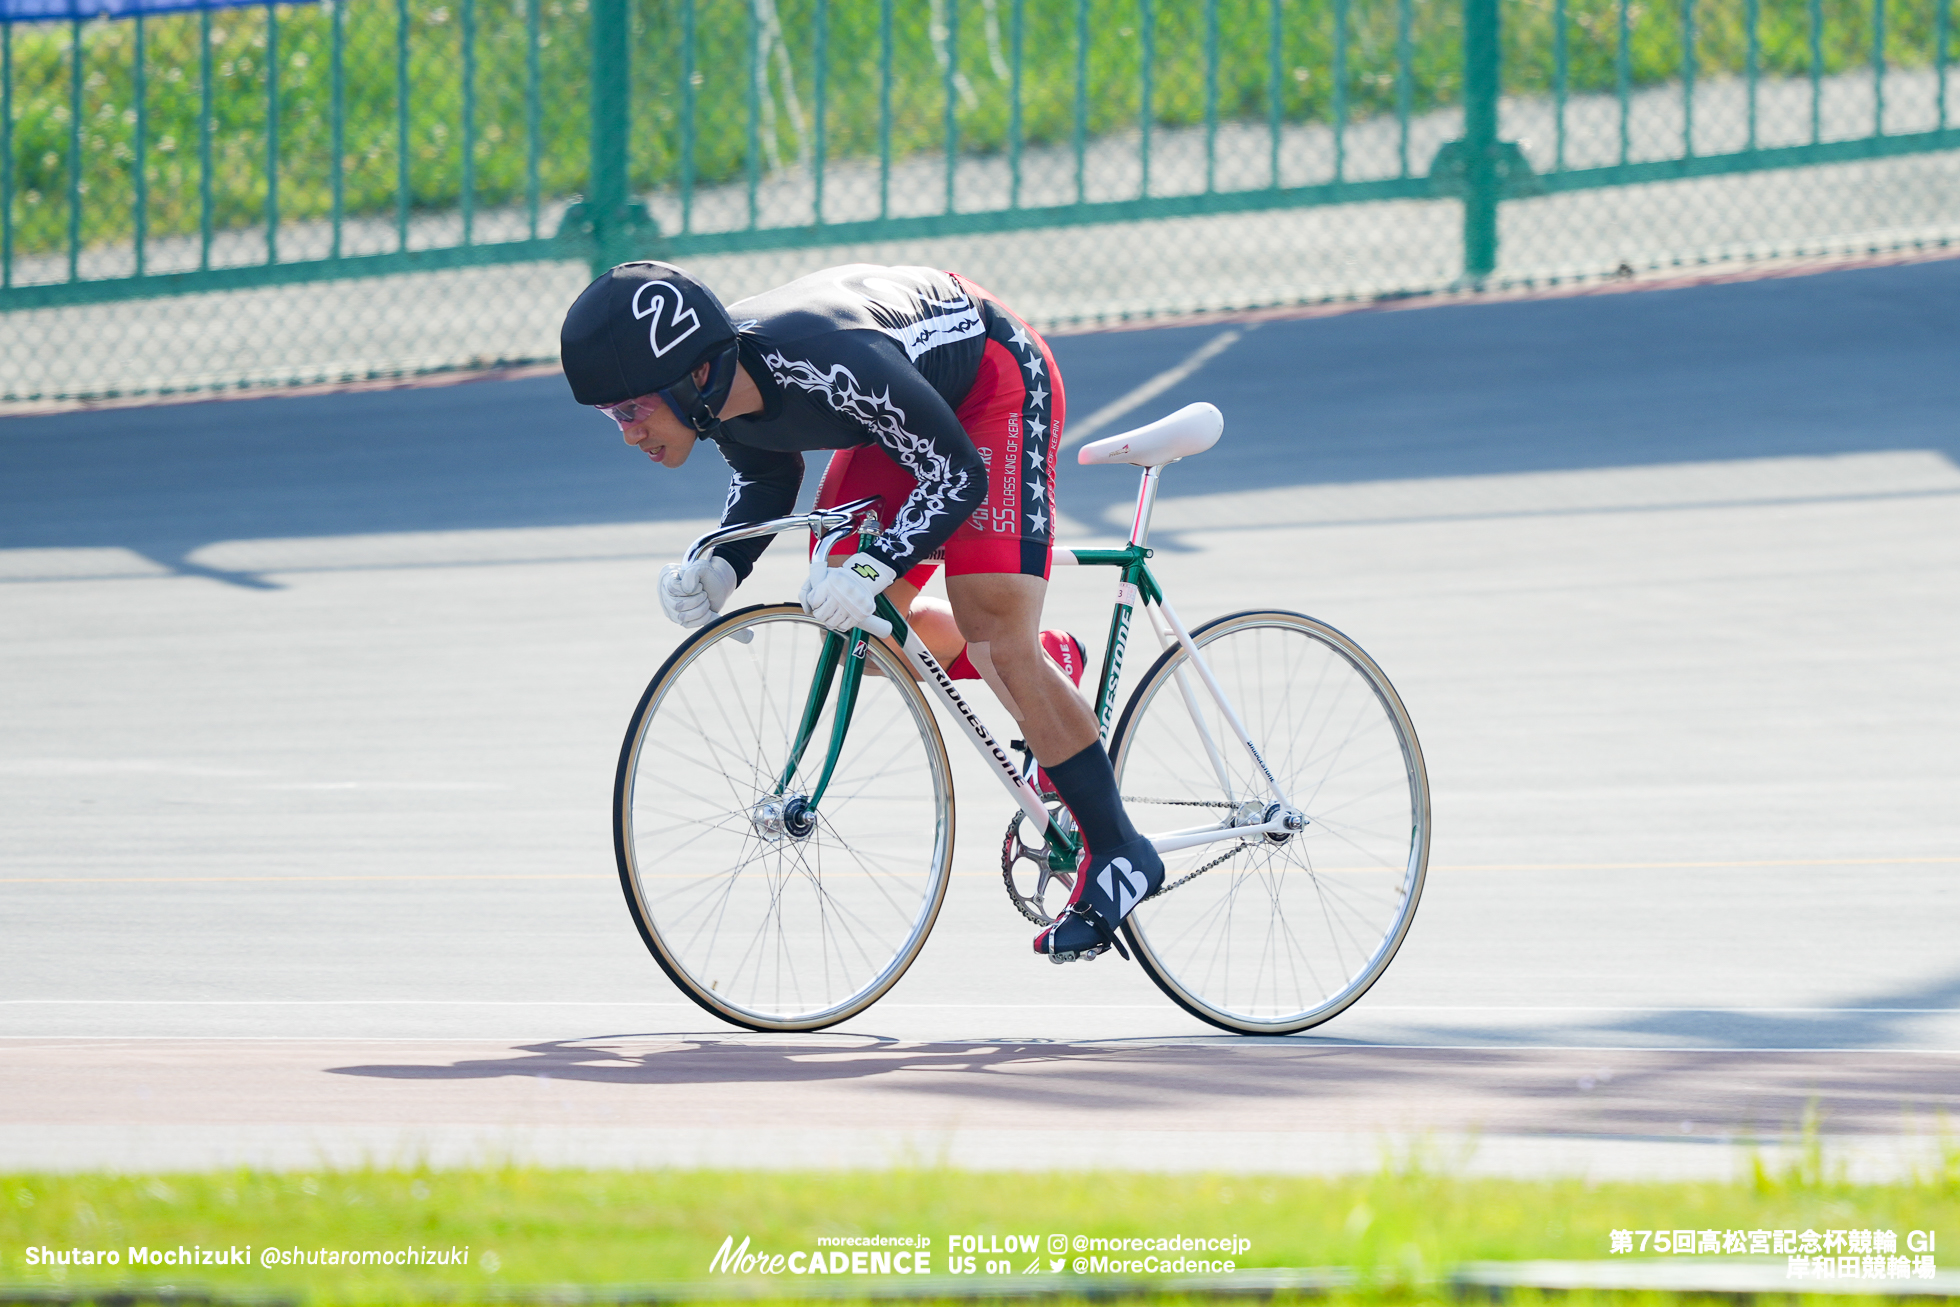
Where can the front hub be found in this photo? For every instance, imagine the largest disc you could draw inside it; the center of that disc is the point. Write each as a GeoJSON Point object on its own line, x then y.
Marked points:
{"type": "Point", "coordinates": [798, 820]}
{"type": "Point", "coordinates": [785, 818]}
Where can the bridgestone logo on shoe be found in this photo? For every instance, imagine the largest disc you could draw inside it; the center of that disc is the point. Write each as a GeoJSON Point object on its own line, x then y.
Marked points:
{"type": "Point", "coordinates": [1133, 887]}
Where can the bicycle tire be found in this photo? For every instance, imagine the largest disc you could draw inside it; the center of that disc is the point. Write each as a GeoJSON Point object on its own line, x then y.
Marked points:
{"type": "Point", "coordinates": [1224, 945]}
{"type": "Point", "coordinates": [765, 930]}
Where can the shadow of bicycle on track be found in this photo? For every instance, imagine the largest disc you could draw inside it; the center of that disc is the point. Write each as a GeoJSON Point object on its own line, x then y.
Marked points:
{"type": "Point", "coordinates": [1618, 1093]}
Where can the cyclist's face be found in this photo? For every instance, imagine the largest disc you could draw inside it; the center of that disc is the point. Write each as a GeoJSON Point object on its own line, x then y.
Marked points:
{"type": "Point", "coordinates": [660, 434]}
{"type": "Point", "coordinates": [663, 437]}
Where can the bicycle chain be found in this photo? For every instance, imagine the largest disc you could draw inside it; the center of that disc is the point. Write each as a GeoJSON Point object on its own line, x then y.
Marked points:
{"type": "Point", "coordinates": [1013, 834]}
{"type": "Point", "coordinates": [1226, 856]}
{"type": "Point", "coordinates": [1194, 803]}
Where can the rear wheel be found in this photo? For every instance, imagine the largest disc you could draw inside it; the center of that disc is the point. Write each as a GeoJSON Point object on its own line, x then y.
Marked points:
{"type": "Point", "coordinates": [767, 917]}
{"type": "Point", "coordinates": [1275, 933]}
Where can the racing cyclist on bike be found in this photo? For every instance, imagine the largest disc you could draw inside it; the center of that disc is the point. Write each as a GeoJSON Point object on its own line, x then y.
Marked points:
{"type": "Point", "coordinates": [938, 401]}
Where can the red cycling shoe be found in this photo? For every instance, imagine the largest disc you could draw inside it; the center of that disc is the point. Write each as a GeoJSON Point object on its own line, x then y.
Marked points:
{"type": "Point", "coordinates": [1067, 653]}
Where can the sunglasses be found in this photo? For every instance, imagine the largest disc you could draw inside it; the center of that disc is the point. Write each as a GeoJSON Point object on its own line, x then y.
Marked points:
{"type": "Point", "coordinates": [627, 412]}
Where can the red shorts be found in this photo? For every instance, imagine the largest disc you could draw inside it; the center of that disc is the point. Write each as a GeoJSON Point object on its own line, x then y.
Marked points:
{"type": "Point", "coordinates": [1015, 421]}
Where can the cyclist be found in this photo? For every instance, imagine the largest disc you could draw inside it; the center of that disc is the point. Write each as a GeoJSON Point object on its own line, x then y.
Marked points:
{"type": "Point", "coordinates": [939, 402]}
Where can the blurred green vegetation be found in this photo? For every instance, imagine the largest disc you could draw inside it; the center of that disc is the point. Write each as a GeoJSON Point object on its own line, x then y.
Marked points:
{"type": "Point", "coordinates": [405, 66]}
{"type": "Point", "coordinates": [1657, 39]}
{"type": "Point", "coordinates": [534, 1230]}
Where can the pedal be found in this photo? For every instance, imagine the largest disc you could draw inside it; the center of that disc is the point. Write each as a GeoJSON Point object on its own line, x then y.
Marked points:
{"type": "Point", "coordinates": [1083, 955]}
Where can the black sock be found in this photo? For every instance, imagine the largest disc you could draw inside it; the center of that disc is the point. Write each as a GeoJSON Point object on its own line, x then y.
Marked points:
{"type": "Point", "coordinates": [1087, 785]}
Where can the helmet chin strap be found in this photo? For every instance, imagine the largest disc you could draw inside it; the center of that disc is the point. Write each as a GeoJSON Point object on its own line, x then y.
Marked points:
{"type": "Point", "coordinates": [700, 407]}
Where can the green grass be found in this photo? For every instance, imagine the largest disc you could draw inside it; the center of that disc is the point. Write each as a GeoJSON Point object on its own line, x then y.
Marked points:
{"type": "Point", "coordinates": [530, 1228]}
{"type": "Point", "coordinates": [293, 46]}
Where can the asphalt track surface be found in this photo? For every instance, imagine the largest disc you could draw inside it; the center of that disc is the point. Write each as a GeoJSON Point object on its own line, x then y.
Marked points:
{"type": "Point", "coordinates": [309, 708]}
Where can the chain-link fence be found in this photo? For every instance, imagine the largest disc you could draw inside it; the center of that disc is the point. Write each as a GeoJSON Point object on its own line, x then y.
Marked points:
{"type": "Point", "coordinates": [300, 192]}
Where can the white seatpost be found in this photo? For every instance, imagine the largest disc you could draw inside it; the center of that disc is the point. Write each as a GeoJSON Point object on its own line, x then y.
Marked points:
{"type": "Point", "coordinates": [1146, 501]}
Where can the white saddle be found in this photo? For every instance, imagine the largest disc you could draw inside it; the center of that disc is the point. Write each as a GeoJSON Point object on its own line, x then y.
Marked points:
{"type": "Point", "coordinates": [1191, 430]}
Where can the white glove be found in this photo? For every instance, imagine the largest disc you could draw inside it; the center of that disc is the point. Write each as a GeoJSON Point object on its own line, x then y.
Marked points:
{"type": "Point", "coordinates": [693, 594]}
{"type": "Point", "coordinates": [844, 597]}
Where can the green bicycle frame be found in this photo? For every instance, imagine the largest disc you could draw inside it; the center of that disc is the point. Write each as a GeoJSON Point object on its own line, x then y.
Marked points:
{"type": "Point", "coordinates": [833, 653]}
{"type": "Point", "coordinates": [1138, 587]}
{"type": "Point", "coordinates": [846, 653]}
{"type": "Point", "coordinates": [828, 662]}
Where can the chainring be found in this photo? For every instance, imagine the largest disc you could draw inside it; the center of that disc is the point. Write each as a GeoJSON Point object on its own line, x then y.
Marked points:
{"type": "Point", "coordinates": [1015, 850]}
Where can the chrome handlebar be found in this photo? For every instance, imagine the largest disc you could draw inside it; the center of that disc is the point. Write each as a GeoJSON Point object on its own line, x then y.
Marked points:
{"type": "Point", "coordinates": [828, 522]}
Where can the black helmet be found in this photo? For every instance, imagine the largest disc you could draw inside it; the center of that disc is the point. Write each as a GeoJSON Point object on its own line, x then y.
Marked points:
{"type": "Point", "coordinates": [643, 328]}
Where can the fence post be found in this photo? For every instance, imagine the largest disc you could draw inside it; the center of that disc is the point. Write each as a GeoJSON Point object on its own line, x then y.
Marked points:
{"type": "Point", "coordinates": [1482, 175]}
{"type": "Point", "coordinates": [611, 225]}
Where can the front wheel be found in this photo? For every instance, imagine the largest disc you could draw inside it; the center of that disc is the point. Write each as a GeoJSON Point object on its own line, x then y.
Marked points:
{"type": "Point", "coordinates": [1270, 934]}
{"type": "Point", "coordinates": [769, 915]}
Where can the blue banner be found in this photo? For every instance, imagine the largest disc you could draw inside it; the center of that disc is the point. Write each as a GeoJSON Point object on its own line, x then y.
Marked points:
{"type": "Point", "coordinates": [23, 11]}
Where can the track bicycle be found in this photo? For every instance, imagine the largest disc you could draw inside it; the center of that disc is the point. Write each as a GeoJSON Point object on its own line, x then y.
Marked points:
{"type": "Point", "coordinates": [783, 811]}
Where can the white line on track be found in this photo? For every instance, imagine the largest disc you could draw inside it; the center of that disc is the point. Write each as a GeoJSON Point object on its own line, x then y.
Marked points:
{"type": "Point", "coordinates": [409, 877]}
{"type": "Point", "coordinates": [634, 1004]}
{"type": "Point", "coordinates": [743, 1039]}
{"type": "Point", "coordinates": [342, 1002]}
{"type": "Point", "coordinates": [1149, 390]}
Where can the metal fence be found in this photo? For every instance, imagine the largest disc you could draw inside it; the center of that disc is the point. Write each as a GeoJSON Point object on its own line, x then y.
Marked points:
{"type": "Point", "coordinates": [307, 191]}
